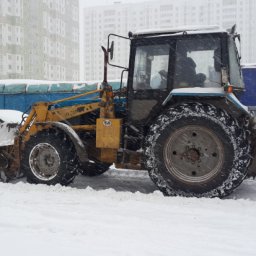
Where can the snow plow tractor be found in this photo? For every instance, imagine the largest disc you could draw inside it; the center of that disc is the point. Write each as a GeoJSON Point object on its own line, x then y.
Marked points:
{"type": "Point", "coordinates": [179, 118]}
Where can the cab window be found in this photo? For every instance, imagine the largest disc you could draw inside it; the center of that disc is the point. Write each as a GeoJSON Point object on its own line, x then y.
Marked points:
{"type": "Point", "coordinates": [234, 65]}
{"type": "Point", "coordinates": [151, 67]}
{"type": "Point", "coordinates": [198, 63]}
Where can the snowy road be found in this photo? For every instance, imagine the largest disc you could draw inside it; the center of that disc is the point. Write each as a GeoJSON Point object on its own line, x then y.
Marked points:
{"type": "Point", "coordinates": [110, 219]}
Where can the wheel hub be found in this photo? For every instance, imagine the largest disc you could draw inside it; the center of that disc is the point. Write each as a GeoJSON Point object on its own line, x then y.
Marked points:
{"type": "Point", "coordinates": [193, 154]}
{"type": "Point", "coordinates": [44, 161]}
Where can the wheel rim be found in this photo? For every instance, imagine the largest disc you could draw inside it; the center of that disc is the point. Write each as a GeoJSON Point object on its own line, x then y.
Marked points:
{"type": "Point", "coordinates": [193, 154]}
{"type": "Point", "coordinates": [44, 161]}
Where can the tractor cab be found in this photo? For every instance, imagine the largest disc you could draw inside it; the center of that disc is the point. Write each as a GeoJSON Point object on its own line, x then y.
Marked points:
{"type": "Point", "coordinates": [183, 114]}
{"type": "Point", "coordinates": [180, 59]}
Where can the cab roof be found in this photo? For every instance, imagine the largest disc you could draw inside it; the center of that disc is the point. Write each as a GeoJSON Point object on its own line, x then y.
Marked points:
{"type": "Point", "coordinates": [179, 31]}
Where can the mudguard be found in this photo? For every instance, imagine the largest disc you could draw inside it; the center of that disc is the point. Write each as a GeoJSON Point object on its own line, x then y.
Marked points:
{"type": "Point", "coordinates": [206, 92]}
{"type": "Point", "coordinates": [79, 146]}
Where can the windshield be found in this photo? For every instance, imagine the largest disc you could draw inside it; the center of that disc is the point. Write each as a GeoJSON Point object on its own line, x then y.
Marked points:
{"type": "Point", "coordinates": [234, 65]}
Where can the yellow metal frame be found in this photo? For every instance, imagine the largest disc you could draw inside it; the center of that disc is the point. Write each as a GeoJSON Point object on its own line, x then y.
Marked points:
{"type": "Point", "coordinates": [41, 113]}
{"type": "Point", "coordinates": [107, 127]}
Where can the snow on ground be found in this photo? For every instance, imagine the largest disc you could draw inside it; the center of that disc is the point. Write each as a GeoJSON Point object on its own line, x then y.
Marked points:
{"type": "Point", "coordinates": [122, 213]}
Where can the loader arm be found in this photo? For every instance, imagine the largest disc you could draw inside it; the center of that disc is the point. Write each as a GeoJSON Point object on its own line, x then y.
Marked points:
{"type": "Point", "coordinates": [46, 112]}
{"type": "Point", "coordinates": [66, 113]}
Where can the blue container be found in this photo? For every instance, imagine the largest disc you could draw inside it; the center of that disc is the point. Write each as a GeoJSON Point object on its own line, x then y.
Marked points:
{"type": "Point", "coordinates": [21, 96]}
{"type": "Point", "coordinates": [248, 97]}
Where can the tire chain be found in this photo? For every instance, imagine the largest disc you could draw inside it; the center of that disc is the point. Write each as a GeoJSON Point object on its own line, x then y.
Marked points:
{"type": "Point", "coordinates": [239, 141]}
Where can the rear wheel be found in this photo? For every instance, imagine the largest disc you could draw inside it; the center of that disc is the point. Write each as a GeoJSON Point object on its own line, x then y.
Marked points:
{"type": "Point", "coordinates": [196, 150]}
{"type": "Point", "coordinates": [193, 153]}
{"type": "Point", "coordinates": [49, 158]}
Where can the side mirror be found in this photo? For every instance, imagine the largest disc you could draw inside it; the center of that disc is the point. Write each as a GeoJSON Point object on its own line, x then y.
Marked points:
{"type": "Point", "coordinates": [112, 60]}
{"type": "Point", "coordinates": [111, 50]}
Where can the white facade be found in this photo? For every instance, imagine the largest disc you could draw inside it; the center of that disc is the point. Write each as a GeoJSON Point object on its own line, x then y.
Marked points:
{"type": "Point", "coordinates": [11, 8]}
{"type": "Point", "coordinates": [39, 39]}
{"type": "Point", "coordinates": [11, 39]}
{"type": "Point", "coordinates": [51, 40]}
{"type": "Point", "coordinates": [120, 18]}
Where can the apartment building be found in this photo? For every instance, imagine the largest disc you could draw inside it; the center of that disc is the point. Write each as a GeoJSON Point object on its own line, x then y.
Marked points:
{"type": "Point", "coordinates": [11, 39]}
{"type": "Point", "coordinates": [120, 18]}
{"type": "Point", "coordinates": [39, 39]}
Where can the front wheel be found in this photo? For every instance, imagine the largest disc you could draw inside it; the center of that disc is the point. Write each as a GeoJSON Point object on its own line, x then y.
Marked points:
{"type": "Point", "coordinates": [49, 158]}
{"type": "Point", "coordinates": [196, 150]}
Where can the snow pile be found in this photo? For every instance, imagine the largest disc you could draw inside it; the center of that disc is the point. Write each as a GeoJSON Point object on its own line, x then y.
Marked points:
{"type": "Point", "coordinates": [43, 220]}
{"type": "Point", "coordinates": [7, 134]}
{"type": "Point", "coordinates": [10, 116]}
{"type": "Point", "coordinates": [9, 120]}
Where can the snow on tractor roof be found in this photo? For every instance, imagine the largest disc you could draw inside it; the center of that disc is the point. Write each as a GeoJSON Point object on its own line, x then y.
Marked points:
{"type": "Point", "coordinates": [181, 30]}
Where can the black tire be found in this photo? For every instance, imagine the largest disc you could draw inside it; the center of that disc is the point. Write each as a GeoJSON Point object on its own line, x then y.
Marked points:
{"type": "Point", "coordinates": [55, 154]}
{"type": "Point", "coordinates": [94, 168]}
{"type": "Point", "coordinates": [197, 150]}
{"type": "Point", "coordinates": [252, 168]}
